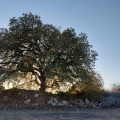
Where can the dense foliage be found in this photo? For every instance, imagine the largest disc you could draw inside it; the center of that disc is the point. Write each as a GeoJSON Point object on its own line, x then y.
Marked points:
{"type": "Point", "coordinates": [52, 56]}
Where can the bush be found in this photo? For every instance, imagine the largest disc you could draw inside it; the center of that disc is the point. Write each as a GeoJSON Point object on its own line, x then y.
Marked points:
{"type": "Point", "coordinates": [64, 95]}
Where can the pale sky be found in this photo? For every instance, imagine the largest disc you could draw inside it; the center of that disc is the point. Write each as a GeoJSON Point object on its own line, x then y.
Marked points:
{"type": "Point", "coordinates": [99, 19]}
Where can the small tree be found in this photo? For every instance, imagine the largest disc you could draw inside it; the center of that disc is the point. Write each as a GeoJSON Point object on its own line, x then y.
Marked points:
{"type": "Point", "coordinates": [92, 86]}
{"type": "Point", "coordinates": [116, 88]}
{"type": "Point", "coordinates": [28, 45]}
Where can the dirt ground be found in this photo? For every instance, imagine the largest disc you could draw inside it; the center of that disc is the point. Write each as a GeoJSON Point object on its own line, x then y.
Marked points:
{"type": "Point", "coordinates": [12, 107]}
{"type": "Point", "coordinates": [59, 114]}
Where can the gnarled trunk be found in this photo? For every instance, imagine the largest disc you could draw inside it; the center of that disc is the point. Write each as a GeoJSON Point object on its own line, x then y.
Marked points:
{"type": "Point", "coordinates": [43, 82]}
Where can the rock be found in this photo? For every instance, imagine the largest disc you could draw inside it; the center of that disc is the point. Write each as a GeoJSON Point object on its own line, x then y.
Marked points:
{"type": "Point", "coordinates": [53, 104]}
{"type": "Point", "coordinates": [93, 104]}
{"type": "Point", "coordinates": [36, 95]}
{"type": "Point", "coordinates": [64, 103]}
{"type": "Point", "coordinates": [55, 100]}
{"type": "Point", "coordinates": [36, 104]}
{"type": "Point", "coordinates": [50, 101]}
{"type": "Point", "coordinates": [27, 101]}
{"type": "Point", "coordinates": [87, 102]}
{"type": "Point", "coordinates": [60, 104]}
{"type": "Point", "coordinates": [81, 102]}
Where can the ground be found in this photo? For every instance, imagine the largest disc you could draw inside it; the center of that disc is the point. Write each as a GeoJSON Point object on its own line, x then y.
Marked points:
{"type": "Point", "coordinates": [20, 98]}
{"type": "Point", "coordinates": [14, 98]}
{"type": "Point", "coordinates": [13, 107]}
{"type": "Point", "coordinates": [64, 114]}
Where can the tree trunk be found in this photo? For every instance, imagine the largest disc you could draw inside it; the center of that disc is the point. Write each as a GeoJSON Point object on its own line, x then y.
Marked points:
{"type": "Point", "coordinates": [43, 82]}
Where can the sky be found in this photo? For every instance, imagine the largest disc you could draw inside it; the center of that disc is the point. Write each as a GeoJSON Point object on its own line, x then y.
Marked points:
{"type": "Point", "coordinates": [99, 19]}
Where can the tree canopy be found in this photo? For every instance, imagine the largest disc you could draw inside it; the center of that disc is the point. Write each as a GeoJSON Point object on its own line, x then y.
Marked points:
{"type": "Point", "coordinates": [43, 50]}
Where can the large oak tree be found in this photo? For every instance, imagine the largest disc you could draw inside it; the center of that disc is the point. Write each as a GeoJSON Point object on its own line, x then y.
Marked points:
{"type": "Point", "coordinates": [28, 45]}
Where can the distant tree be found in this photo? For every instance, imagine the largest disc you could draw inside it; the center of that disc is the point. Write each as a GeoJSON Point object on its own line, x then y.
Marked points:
{"type": "Point", "coordinates": [116, 88]}
{"type": "Point", "coordinates": [28, 45]}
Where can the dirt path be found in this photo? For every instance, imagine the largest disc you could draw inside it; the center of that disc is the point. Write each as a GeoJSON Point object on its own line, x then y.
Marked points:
{"type": "Point", "coordinates": [44, 114]}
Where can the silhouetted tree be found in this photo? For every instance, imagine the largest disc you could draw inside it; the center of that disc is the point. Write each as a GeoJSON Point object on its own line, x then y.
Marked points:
{"type": "Point", "coordinates": [28, 45]}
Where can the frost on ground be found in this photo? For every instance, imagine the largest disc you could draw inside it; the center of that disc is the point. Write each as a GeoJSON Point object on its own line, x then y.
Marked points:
{"type": "Point", "coordinates": [61, 114]}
